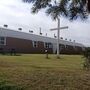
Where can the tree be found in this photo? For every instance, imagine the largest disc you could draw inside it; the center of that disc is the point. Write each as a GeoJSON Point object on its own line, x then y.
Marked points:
{"type": "Point", "coordinates": [68, 8]}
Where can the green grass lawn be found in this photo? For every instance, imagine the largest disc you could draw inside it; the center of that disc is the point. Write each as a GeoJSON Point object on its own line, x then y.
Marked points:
{"type": "Point", "coordinates": [34, 72]}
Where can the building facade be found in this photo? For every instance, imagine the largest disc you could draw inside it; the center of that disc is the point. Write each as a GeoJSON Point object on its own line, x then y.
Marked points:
{"type": "Point", "coordinates": [22, 42]}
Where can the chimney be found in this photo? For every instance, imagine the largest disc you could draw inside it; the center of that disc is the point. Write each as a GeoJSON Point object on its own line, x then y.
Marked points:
{"type": "Point", "coordinates": [61, 38]}
{"type": "Point", "coordinates": [66, 39]}
{"type": "Point", "coordinates": [73, 40]}
{"type": "Point", "coordinates": [30, 31]}
{"type": "Point", "coordinates": [54, 36]}
{"type": "Point", "coordinates": [40, 32]}
{"type": "Point", "coordinates": [70, 40]}
{"type": "Point", "coordinates": [20, 29]}
{"type": "Point", "coordinates": [5, 25]}
{"type": "Point", "coordinates": [46, 34]}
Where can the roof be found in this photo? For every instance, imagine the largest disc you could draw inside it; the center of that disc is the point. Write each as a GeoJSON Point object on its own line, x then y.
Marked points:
{"type": "Point", "coordinates": [5, 32]}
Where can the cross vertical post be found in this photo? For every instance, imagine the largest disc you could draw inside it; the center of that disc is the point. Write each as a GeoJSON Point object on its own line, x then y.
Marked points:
{"type": "Point", "coordinates": [58, 35]}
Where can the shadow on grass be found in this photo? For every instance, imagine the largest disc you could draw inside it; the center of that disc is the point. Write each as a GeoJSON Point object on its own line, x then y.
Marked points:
{"type": "Point", "coordinates": [40, 67]}
{"type": "Point", "coordinates": [8, 54]}
{"type": "Point", "coordinates": [4, 86]}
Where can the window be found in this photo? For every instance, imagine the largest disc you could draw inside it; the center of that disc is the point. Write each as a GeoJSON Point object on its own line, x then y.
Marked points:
{"type": "Point", "coordinates": [2, 38]}
{"type": "Point", "coordinates": [48, 45]}
{"type": "Point", "coordinates": [2, 41]}
{"type": "Point", "coordinates": [35, 44]}
{"type": "Point", "coordinates": [62, 46]}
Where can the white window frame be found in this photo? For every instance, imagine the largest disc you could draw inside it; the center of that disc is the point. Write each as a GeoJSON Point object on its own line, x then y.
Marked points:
{"type": "Point", "coordinates": [35, 46]}
{"type": "Point", "coordinates": [49, 45]}
{"type": "Point", "coordinates": [2, 40]}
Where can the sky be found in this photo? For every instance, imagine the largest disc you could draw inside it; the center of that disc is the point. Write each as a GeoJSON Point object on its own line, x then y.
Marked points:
{"type": "Point", "coordinates": [17, 14]}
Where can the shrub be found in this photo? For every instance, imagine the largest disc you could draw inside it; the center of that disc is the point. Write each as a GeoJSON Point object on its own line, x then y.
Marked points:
{"type": "Point", "coordinates": [86, 63]}
{"type": "Point", "coordinates": [5, 86]}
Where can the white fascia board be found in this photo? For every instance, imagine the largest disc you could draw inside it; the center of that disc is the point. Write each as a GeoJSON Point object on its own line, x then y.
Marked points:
{"type": "Point", "coordinates": [22, 35]}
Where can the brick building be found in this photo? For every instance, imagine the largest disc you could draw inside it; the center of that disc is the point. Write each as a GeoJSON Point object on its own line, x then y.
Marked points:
{"type": "Point", "coordinates": [23, 42]}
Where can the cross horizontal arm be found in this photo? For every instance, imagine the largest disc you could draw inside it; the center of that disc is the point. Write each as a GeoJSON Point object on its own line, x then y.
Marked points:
{"type": "Point", "coordinates": [59, 28]}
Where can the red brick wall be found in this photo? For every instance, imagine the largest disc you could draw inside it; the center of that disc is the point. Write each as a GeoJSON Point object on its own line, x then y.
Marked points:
{"type": "Point", "coordinates": [23, 46]}
{"type": "Point", "coordinates": [26, 46]}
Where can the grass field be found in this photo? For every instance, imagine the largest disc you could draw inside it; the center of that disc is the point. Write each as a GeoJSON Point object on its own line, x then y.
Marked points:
{"type": "Point", "coordinates": [34, 72]}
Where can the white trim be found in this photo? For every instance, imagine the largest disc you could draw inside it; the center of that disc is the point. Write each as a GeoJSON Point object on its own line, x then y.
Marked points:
{"type": "Point", "coordinates": [35, 44]}
{"type": "Point", "coordinates": [3, 41]}
{"type": "Point", "coordinates": [4, 32]}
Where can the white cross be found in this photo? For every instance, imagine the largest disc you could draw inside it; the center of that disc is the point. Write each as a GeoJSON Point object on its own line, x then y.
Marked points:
{"type": "Point", "coordinates": [58, 34]}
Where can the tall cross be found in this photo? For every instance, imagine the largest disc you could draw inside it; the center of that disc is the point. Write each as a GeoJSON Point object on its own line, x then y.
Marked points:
{"type": "Point", "coordinates": [58, 35]}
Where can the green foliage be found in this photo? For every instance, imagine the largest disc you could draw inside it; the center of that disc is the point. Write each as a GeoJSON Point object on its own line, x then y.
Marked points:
{"type": "Point", "coordinates": [68, 8]}
{"type": "Point", "coordinates": [87, 59]}
{"type": "Point", "coordinates": [87, 52]}
{"type": "Point", "coordinates": [5, 86]}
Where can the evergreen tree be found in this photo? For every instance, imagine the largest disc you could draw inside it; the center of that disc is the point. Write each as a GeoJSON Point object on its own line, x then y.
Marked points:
{"type": "Point", "coordinates": [68, 8]}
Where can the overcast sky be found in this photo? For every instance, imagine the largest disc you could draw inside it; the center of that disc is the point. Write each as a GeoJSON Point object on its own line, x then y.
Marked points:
{"type": "Point", "coordinates": [17, 14]}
